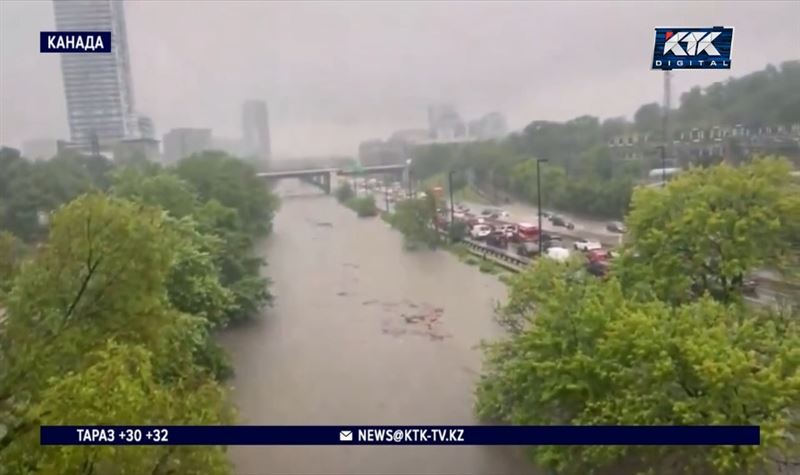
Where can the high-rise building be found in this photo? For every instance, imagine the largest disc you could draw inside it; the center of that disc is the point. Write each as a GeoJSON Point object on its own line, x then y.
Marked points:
{"type": "Point", "coordinates": [255, 127]}
{"type": "Point", "coordinates": [444, 123]}
{"type": "Point", "coordinates": [99, 92]}
{"type": "Point", "coordinates": [146, 128]}
{"type": "Point", "coordinates": [180, 143]}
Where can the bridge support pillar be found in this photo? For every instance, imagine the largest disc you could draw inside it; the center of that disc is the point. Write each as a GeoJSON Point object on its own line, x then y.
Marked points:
{"type": "Point", "coordinates": [326, 183]}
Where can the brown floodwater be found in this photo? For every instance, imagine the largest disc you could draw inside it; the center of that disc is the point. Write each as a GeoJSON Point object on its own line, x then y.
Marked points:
{"type": "Point", "coordinates": [362, 332]}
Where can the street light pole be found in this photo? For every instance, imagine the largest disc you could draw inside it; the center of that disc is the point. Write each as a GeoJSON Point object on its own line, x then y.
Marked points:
{"type": "Point", "coordinates": [450, 189]}
{"type": "Point", "coordinates": [408, 163]}
{"type": "Point", "coordinates": [539, 200]}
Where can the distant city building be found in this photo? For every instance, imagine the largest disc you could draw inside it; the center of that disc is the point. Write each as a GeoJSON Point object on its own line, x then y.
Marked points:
{"type": "Point", "coordinates": [135, 149]}
{"type": "Point", "coordinates": [444, 123]}
{"type": "Point", "coordinates": [98, 87]}
{"type": "Point", "coordinates": [255, 127]}
{"type": "Point", "coordinates": [180, 143]}
{"type": "Point", "coordinates": [40, 149]}
{"type": "Point", "coordinates": [711, 144]}
{"type": "Point", "coordinates": [146, 128]}
{"type": "Point", "coordinates": [490, 126]}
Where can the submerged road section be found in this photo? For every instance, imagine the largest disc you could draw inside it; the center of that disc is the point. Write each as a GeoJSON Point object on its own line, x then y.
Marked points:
{"type": "Point", "coordinates": [363, 332]}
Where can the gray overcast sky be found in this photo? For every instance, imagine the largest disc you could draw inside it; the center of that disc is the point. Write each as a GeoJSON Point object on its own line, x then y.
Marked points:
{"type": "Point", "coordinates": [337, 73]}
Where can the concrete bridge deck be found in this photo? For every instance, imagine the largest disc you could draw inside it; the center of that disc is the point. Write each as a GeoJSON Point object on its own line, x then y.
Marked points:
{"type": "Point", "coordinates": [321, 177]}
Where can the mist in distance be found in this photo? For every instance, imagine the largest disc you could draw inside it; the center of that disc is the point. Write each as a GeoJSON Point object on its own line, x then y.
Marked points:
{"type": "Point", "coordinates": [338, 73]}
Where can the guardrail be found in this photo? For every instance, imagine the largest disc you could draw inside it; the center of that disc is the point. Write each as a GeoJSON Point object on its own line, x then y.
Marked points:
{"type": "Point", "coordinates": [499, 256]}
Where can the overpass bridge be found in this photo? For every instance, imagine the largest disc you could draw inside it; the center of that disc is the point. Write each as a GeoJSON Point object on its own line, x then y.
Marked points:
{"type": "Point", "coordinates": [322, 177]}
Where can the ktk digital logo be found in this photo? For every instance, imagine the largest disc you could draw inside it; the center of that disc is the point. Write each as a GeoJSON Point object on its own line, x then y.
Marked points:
{"type": "Point", "coordinates": [693, 48]}
{"type": "Point", "coordinates": [75, 42]}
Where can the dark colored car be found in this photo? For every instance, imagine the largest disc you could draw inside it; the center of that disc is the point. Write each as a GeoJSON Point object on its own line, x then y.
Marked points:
{"type": "Point", "coordinates": [750, 288]}
{"type": "Point", "coordinates": [528, 249]}
{"type": "Point", "coordinates": [616, 227]}
{"type": "Point", "coordinates": [597, 268]}
{"type": "Point", "coordinates": [497, 239]}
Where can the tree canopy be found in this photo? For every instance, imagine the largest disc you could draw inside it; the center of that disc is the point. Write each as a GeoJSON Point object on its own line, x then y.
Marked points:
{"type": "Point", "coordinates": [648, 346]}
{"type": "Point", "coordinates": [581, 175]}
{"type": "Point", "coordinates": [128, 280]}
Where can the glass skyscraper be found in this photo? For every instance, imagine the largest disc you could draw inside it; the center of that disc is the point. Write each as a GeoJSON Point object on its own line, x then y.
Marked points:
{"type": "Point", "coordinates": [98, 87]}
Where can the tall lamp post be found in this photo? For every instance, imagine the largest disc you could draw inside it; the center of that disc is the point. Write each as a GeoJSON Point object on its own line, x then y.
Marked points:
{"type": "Point", "coordinates": [539, 200]}
{"type": "Point", "coordinates": [450, 189]}
{"type": "Point", "coordinates": [408, 166]}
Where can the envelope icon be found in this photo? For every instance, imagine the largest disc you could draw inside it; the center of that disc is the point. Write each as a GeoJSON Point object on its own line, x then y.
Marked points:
{"type": "Point", "coordinates": [345, 435]}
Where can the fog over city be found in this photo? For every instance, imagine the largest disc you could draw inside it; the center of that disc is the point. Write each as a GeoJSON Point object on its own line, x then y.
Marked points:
{"type": "Point", "coordinates": [335, 74]}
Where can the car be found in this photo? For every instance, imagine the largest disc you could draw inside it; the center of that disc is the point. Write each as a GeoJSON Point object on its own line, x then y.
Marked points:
{"type": "Point", "coordinates": [558, 253]}
{"type": "Point", "coordinates": [616, 227]}
{"type": "Point", "coordinates": [497, 239]}
{"type": "Point", "coordinates": [587, 245]}
{"type": "Point", "coordinates": [598, 255]}
{"type": "Point", "coordinates": [557, 220]}
{"type": "Point", "coordinates": [528, 249]}
{"type": "Point", "coordinates": [509, 230]}
{"type": "Point", "coordinates": [597, 268]}
{"type": "Point", "coordinates": [750, 288]}
{"type": "Point", "coordinates": [487, 212]}
{"type": "Point", "coordinates": [527, 232]}
{"type": "Point", "coordinates": [569, 225]}
{"type": "Point", "coordinates": [552, 242]}
{"type": "Point", "coordinates": [480, 231]}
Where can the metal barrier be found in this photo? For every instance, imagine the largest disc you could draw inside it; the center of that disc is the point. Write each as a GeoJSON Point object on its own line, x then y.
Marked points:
{"type": "Point", "coordinates": [499, 256]}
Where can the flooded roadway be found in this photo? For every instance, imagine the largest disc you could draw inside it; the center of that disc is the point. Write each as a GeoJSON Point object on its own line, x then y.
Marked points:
{"type": "Point", "coordinates": [362, 332]}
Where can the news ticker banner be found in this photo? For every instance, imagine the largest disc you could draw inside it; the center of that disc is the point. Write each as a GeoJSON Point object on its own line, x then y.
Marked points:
{"type": "Point", "coordinates": [400, 435]}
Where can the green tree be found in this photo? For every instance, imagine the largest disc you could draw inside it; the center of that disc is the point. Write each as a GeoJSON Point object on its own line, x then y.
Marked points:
{"type": "Point", "coordinates": [414, 218]}
{"type": "Point", "coordinates": [232, 182]}
{"type": "Point", "coordinates": [165, 190]}
{"type": "Point", "coordinates": [708, 228]}
{"type": "Point", "coordinates": [344, 192]}
{"type": "Point", "coordinates": [364, 206]}
{"type": "Point", "coordinates": [11, 252]}
{"type": "Point", "coordinates": [102, 273]}
{"type": "Point", "coordinates": [581, 352]}
{"type": "Point", "coordinates": [648, 118]}
{"type": "Point", "coordinates": [134, 396]}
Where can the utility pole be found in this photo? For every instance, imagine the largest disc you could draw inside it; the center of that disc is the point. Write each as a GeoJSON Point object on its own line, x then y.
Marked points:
{"type": "Point", "coordinates": [667, 107]}
{"type": "Point", "coordinates": [663, 166]}
{"type": "Point", "coordinates": [386, 197]}
{"type": "Point", "coordinates": [539, 200]}
{"type": "Point", "coordinates": [408, 171]}
{"type": "Point", "coordinates": [450, 189]}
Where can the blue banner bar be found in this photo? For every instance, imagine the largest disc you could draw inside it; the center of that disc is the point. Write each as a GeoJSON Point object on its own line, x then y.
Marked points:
{"type": "Point", "coordinates": [400, 435]}
{"type": "Point", "coordinates": [75, 42]}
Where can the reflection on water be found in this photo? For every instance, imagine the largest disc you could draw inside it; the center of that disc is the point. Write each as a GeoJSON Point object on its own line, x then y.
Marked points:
{"type": "Point", "coordinates": [362, 332]}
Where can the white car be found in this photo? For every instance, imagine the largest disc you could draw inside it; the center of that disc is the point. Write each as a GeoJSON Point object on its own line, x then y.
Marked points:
{"type": "Point", "coordinates": [558, 253]}
{"type": "Point", "coordinates": [587, 245]}
{"type": "Point", "coordinates": [480, 231]}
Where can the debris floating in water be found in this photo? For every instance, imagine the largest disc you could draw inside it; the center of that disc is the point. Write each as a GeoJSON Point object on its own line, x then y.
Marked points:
{"type": "Point", "coordinates": [415, 319]}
